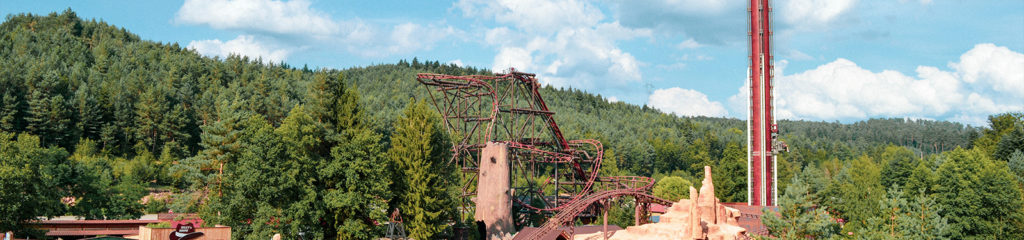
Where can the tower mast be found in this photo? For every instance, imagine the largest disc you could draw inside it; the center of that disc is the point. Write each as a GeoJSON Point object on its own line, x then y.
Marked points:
{"type": "Point", "coordinates": [761, 125]}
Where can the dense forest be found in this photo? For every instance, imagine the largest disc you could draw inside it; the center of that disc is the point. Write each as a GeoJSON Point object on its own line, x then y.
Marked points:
{"type": "Point", "coordinates": [98, 123]}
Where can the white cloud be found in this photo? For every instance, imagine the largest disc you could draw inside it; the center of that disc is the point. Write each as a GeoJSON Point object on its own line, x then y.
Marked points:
{"type": "Point", "coordinates": [279, 17]}
{"type": "Point", "coordinates": [798, 55]}
{"type": "Point", "coordinates": [299, 24]}
{"type": "Point", "coordinates": [534, 15]}
{"type": "Point", "coordinates": [586, 58]}
{"type": "Point", "coordinates": [512, 57]}
{"type": "Point", "coordinates": [613, 99]}
{"type": "Point", "coordinates": [922, 2]}
{"type": "Point", "coordinates": [403, 38]}
{"type": "Point", "coordinates": [457, 62]}
{"type": "Point", "coordinates": [568, 43]}
{"type": "Point", "coordinates": [501, 36]}
{"type": "Point", "coordinates": [999, 67]}
{"type": "Point", "coordinates": [688, 44]}
{"type": "Point", "coordinates": [244, 45]}
{"type": "Point", "coordinates": [685, 102]}
{"type": "Point", "coordinates": [673, 66]}
{"type": "Point", "coordinates": [808, 14]}
{"type": "Point", "coordinates": [843, 90]}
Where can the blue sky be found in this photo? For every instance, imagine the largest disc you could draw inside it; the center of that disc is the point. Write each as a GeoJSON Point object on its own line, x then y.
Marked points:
{"type": "Point", "coordinates": [836, 60]}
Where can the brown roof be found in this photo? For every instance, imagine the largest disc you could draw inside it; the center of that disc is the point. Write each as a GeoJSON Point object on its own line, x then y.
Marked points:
{"type": "Point", "coordinates": [750, 217]}
{"type": "Point", "coordinates": [80, 222]}
{"type": "Point", "coordinates": [658, 208]}
{"type": "Point", "coordinates": [553, 235]}
{"type": "Point", "coordinates": [59, 233]}
{"type": "Point", "coordinates": [588, 229]}
{"type": "Point", "coordinates": [91, 227]}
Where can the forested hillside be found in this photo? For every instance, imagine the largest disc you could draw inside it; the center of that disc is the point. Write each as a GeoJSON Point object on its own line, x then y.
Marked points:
{"type": "Point", "coordinates": [92, 115]}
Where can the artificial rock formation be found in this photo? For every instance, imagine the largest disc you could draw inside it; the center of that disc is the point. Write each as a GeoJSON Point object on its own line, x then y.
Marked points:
{"type": "Point", "coordinates": [700, 217]}
{"type": "Point", "coordinates": [493, 201]}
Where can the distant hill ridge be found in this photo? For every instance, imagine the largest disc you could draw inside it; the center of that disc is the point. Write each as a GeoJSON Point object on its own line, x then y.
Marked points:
{"type": "Point", "coordinates": [65, 78]}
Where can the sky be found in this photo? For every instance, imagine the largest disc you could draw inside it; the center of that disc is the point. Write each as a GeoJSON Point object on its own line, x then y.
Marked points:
{"type": "Point", "coordinates": [836, 60]}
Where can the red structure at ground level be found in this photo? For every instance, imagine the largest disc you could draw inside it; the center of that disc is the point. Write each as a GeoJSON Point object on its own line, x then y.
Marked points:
{"type": "Point", "coordinates": [762, 131]}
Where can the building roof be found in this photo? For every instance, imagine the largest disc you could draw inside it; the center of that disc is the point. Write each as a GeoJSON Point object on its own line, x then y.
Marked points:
{"type": "Point", "coordinates": [658, 208]}
{"type": "Point", "coordinates": [750, 217]}
{"type": "Point", "coordinates": [588, 229]}
{"type": "Point", "coordinates": [60, 233]}
{"type": "Point", "coordinates": [553, 235]}
{"type": "Point", "coordinates": [80, 228]}
{"type": "Point", "coordinates": [90, 222]}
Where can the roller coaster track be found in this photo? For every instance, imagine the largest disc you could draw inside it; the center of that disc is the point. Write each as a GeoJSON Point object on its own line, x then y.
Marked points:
{"type": "Point", "coordinates": [628, 188]}
{"type": "Point", "coordinates": [562, 176]}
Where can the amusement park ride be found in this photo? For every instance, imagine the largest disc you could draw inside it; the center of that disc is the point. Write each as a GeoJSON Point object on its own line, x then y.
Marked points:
{"type": "Point", "coordinates": [762, 131]}
{"type": "Point", "coordinates": [559, 179]}
{"type": "Point", "coordinates": [549, 175]}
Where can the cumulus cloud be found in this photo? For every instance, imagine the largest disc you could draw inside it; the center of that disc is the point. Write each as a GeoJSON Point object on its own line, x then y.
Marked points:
{"type": "Point", "coordinates": [279, 17]}
{"type": "Point", "coordinates": [534, 15]}
{"type": "Point", "coordinates": [457, 62]}
{"type": "Point", "coordinates": [244, 45]}
{"type": "Point", "coordinates": [685, 102]}
{"type": "Point", "coordinates": [569, 43]}
{"type": "Point", "coordinates": [993, 65]}
{"type": "Point", "coordinates": [512, 57]}
{"type": "Point", "coordinates": [298, 23]}
{"type": "Point", "coordinates": [806, 14]}
{"type": "Point", "coordinates": [843, 90]}
{"type": "Point", "coordinates": [689, 43]}
{"type": "Point", "coordinates": [798, 55]}
{"type": "Point", "coordinates": [400, 39]}
{"type": "Point", "coordinates": [585, 58]}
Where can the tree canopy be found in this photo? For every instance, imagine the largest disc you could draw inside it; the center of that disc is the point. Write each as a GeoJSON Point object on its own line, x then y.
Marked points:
{"type": "Point", "coordinates": [325, 153]}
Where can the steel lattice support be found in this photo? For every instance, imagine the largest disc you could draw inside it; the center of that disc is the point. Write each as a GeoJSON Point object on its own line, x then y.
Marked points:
{"type": "Point", "coordinates": [549, 174]}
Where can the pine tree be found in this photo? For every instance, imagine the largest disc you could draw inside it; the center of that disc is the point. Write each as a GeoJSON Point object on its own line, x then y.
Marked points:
{"type": "Point", "coordinates": [221, 142]}
{"type": "Point", "coordinates": [1010, 143]}
{"type": "Point", "coordinates": [922, 179]}
{"type": "Point", "coordinates": [855, 192]}
{"type": "Point", "coordinates": [923, 219]}
{"type": "Point", "coordinates": [424, 183]}
{"type": "Point", "coordinates": [356, 182]}
{"type": "Point", "coordinates": [1016, 165]}
{"type": "Point", "coordinates": [798, 216]}
{"type": "Point", "coordinates": [730, 174]}
{"type": "Point", "coordinates": [10, 105]}
{"type": "Point", "coordinates": [610, 164]}
{"type": "Point", "coordinates": [89, 113]}
{"type": "Point", "coordinates": [49, 115]}
{"type": "Point", "coordinates": [334, 105]}
{"type": "Point", "coordinates": [903, 219]}
{"type": "Point", "coordinates": [999, 126]}
{"type": "Point", "coordinates": [899, 163]}
{"type": "Point", "coordinates": [154, 126]}
{"type": "Point", "coordinates": [301, 137]}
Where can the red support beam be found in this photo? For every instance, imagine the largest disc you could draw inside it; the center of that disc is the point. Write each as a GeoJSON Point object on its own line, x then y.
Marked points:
{"type": "Point", "coordinates": [761, 121]}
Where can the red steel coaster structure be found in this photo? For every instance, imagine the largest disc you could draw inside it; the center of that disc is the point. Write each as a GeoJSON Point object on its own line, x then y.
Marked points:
{"type": "Point", "coordinates": [550, 176]}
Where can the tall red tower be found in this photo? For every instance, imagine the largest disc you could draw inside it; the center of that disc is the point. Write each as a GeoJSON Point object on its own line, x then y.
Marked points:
{"type": "Point", "coordinates": [761, 128]}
